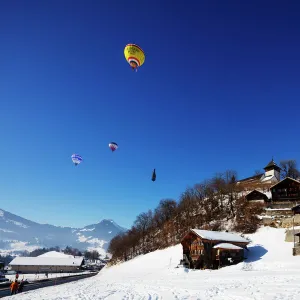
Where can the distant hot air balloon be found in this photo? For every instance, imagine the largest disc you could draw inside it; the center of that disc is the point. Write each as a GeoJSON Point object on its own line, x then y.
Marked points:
{"type": "Point", "coordinates": [77, 159]}
{"type": "Point", "coordinates": [134, 55]}
{"type": "Point", "coordinates": [113, 146]}
{"type": "Point", "coordinates": [153, 175]}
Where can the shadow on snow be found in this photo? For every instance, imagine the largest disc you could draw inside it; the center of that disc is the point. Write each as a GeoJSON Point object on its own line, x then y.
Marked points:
{"type": "Point", "coordinates": [255, 253]}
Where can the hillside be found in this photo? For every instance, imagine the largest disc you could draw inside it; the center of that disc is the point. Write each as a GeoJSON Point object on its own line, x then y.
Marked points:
{"type": "Point", "coordinates": [19, 234]}
{"type": "Point", "coordinates": [270, 272]}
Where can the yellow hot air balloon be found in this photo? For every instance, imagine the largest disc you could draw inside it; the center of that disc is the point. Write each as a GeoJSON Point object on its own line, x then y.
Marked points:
{"type": "Point", "coordinates": [134, 55]}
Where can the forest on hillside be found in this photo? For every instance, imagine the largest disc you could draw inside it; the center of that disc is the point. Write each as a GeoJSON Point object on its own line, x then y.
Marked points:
{"type": "Point", "coordinates": [217, 203]}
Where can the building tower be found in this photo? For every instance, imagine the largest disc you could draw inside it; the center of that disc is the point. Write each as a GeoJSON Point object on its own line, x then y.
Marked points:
{"type": "Point", "coordinates": [272, 169]}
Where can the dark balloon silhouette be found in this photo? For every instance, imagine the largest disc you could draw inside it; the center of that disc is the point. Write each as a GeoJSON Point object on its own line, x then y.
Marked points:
{"type": "Point", "coordinates": [153, 175]}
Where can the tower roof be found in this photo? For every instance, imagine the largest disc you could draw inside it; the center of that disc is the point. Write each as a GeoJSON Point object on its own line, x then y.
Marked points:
{"type": "Point", "coordinates": [272, 165]}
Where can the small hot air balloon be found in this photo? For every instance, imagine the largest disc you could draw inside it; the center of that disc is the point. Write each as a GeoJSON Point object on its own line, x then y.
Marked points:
{"type": "Point", "coordinates": [134, 55]}
{"type": "Point", "coordinates": [77, 159]}
{"type": "Point", "coordinates": [113, 146]}
{"type": "Point", "coordinates": [153, 175]}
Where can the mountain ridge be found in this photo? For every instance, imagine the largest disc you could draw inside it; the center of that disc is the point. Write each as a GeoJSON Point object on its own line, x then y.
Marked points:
{"type": "Point", "coordinates": [18, 234]}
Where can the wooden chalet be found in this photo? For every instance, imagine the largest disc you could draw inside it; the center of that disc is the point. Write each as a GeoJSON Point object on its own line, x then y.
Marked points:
{"type": "Point", "coordinates": [257, 196]}
{"type": "Point", "coordinates": [286, 193]}
{"type": "Point", "coordinates": [204, 249]}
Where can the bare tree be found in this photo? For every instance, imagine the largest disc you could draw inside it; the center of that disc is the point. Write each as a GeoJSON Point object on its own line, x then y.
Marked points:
{"type": "Point", "coordinates": [143, 223]}
{"type": "Point", "coordinates": [115, 247]}
{"type": "Point", "coordinates": [165, 211]}
{"type": "Point", "coordinates": [257, 172]}
{"type": "Point", "coordinates": [187, 209]}
{"type": "Point", "coordinates": [232, 190]}
{"type": "Point", "coordinates": [289, 169]}
{"type": "Point", "coordinates": [247, 213]}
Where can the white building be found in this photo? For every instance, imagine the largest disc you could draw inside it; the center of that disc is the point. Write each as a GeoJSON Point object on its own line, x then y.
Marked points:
{"type": "Point", "coordinates": [52, 262]}
{"type": "Point", "coordinates": [269, 177]}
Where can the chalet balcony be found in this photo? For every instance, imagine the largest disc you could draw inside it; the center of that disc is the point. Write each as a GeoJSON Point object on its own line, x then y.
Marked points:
{"type": "Point", "coordinates": [284, 196]}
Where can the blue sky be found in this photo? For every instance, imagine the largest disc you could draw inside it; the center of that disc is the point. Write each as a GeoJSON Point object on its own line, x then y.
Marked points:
{"type": "Point", "coordinates": [219, 90]}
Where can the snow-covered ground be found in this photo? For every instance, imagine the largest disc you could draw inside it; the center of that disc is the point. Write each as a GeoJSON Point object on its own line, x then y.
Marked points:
{"type": "Point", "coordinates": [270, 273]}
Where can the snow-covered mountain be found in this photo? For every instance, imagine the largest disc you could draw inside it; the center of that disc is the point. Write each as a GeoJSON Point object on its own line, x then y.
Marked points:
{"type": "Point", "coordinates": [19, 234]}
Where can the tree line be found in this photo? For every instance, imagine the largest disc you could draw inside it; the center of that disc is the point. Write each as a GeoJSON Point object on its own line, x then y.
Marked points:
{"type": "Point", "coordinates": [215, 204]}
{"type": "Point", "coordinates": [92, 255]}
{"type": "Point", "coordinates": [6, 259]}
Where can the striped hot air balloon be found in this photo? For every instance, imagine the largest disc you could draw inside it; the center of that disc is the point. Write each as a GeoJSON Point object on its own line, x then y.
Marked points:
{"type": "Point", "coordinates": [134, 55]}
{"type": "Point", "coordinates": [76, 158]}
{"type": "Point", "coordinates": [113, 146]}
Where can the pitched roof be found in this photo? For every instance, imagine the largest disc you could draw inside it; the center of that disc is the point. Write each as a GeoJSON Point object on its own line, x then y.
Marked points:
{"type": "Point", "coordinates": [219, 236]}
{"type": "Point", "coordinates": [47, 261]}
{"type": "Point", "coordinates": [55, 254]}
{"type": "Point", "coordinates": [272, 164]}
{"type": "Point", "coordinates": [284, 180]}
{"type": "Point", "coordinates": [252, 178]}
{"type": "Point", "coordinates": [255, 190]}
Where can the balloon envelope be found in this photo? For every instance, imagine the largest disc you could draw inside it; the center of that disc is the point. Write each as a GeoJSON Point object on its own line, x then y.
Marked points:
{"type": "Point", "coordinates": [134, 55]}
{"type": "Point", "coordinates": [113, 146]}
{"type": "Point", "coordinates": [153, 175]}
{"type": "Point", "coordinates": [76, 158]}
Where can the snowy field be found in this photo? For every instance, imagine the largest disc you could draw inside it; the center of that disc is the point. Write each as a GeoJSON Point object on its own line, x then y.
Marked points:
{"type": "Point", "coordinates": [270, 273]}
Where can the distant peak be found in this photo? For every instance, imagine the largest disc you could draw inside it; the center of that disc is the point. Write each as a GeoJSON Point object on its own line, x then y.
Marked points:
{"type": "Point", "coordinates": [111, 221]}
{"type": "Point", "coordinates": [107, 220]}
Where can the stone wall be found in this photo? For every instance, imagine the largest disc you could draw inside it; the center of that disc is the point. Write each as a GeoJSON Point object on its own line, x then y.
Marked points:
{"type": "Point", "coordinates": [288, 222]}
{"type": "Point", "coordinates": [280, 221]}
{"type": "Point", "coordinates": [279, 212]}
{"type": "Point", "coordinates": [289, 235]}
{"type": "Point", "coordinates": [296, 251]}
{"type": "Point", "coordinates": [282, 204]}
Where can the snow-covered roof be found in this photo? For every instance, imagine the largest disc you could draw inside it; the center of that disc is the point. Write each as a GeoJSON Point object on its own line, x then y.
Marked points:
{"type": "Point", "coordinates": [227, 246]}
{"type": "Point", "coordinates": [268, 194]}
{"type": "Point", "coordinates": [219, 236]}
{"type": "Point", "coordinates": [47, 261]}
{"type": "Point", "coordinates": [55, 254]}
{"type": "Point", "coordinates": [268, 178]}
{"type": "Point", "coordinates": [255, 190]}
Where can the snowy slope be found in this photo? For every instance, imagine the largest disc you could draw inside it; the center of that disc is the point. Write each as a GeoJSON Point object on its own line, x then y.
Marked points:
{"type": "Point", "coordinates": [18, 234]}
{"type": "Point", "coordinates": [271, 273]}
